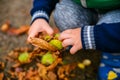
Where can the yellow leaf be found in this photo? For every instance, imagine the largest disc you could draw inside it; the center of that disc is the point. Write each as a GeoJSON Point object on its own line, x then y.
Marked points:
{"type": "Point", "coordinates": [112, 75]}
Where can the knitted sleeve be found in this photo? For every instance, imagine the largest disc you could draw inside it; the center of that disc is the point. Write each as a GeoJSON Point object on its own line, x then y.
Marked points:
{"type": "Point", "coordinates": [42, 9]}
{"type": "Point", "coordinates": [104, 37]}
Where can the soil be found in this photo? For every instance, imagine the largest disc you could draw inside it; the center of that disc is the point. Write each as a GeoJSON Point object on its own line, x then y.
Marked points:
{"type": "Point", "coordinates": [17, 13]}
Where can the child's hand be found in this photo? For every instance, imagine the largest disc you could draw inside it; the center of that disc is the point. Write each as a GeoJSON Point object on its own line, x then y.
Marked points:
{"type": "Point", "coordinates": [39, 25]}
{"type": "Point", "coordinates": [71, 37]}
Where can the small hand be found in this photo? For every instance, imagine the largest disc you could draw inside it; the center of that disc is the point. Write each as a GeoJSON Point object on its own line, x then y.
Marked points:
{"type": "Point", "coordinates": [39, 25]}
{"type": "Point", "coordinates": [71, 37]}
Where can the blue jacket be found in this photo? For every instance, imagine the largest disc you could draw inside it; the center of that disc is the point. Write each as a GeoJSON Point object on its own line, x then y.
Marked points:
{"type": "Point", "coordinates": [104, 37]}
{"type": "Point", "coordinates": [42, 9]}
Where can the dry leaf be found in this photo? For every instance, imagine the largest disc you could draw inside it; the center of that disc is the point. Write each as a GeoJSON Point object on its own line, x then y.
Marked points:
{"type": "Point", "coordinates": [52, 76]}
{"type": "Point", "coordinates": [18, 31]}
{"type": "Point", "coordinates": [42, 44]}
{"type": "Point", "coordinates": [1, 76]}
{"type": "Point", "coordinates": [52, 66]}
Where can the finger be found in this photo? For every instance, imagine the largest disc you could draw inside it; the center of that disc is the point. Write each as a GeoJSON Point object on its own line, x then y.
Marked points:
{"type": "Point", "coordinates": [64, 36]}
{"type": "Point", "coordinates": [67, 42]}
{"type": "Point", "coordinates": [50, 31]}
{"type": "Point", "coordinates": [73, 50]}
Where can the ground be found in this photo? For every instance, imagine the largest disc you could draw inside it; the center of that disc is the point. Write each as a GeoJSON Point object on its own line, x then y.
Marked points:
{"type": "Point", "coordinates": [17, 13]}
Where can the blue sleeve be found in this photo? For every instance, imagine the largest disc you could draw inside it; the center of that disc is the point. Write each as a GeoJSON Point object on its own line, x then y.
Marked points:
{"type": "Point", "coordinates": [104, 37]}
{"type": "Point", "coordinates": [107, 37]}
{"type": "Point", "coordinates": [42, 9]}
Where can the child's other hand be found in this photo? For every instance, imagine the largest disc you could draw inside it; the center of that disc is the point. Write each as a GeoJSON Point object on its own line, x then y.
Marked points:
{"type": "Point", "coordinates": [71, 37]}
{"type": "Point", "coordinates": [39, 25]}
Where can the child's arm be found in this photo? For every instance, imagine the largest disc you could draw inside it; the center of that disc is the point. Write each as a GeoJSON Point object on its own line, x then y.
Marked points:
{"type": "Point", "coordinates": [104, 37]}
{"type": "Point", "coordinates": [42, 9]}
{"type": "Point", "coordinates": [40, 17]}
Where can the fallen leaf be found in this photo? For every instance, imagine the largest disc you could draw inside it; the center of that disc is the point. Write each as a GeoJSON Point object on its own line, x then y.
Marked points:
{"type": "Point", "coordinates": [18, 31]}
{"type": "Point", "coordinates": [42, 44]}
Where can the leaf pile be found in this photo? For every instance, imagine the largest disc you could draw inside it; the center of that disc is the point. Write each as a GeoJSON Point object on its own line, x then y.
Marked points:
{"type": "Point", "coordinates": [27, 64]}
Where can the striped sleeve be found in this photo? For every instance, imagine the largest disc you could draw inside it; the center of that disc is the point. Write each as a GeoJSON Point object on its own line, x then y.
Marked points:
{"type": "Point", "coordinates": [104, 37]}
{"type": "Point", "coordinates": [87, 37]}
{"type": "Point", "coordinates": [42, 9]}
{"type": "Point", "coordinates": [40, 14]}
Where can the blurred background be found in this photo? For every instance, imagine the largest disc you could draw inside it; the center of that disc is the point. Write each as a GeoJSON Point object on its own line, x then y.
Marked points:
{"type": "Point", "coordinates": [15, 14]}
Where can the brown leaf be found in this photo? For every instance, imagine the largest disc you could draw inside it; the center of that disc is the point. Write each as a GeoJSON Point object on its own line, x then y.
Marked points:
{"type": "Point", "coordinates": [42, 44]}
{"type": "Point", "coordinates": [18, 31]}
{"type": "Point", "coordinates": [51, 75]}
{"type": "Point", "coordinates": [65, 70]}
{"type": "Point", "coordinates": [52, 66]}
{"type": "Point", "coordinates": [1, 76]}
